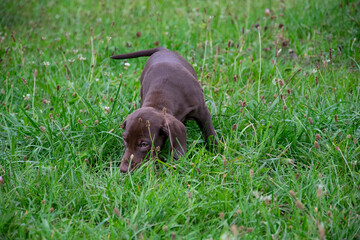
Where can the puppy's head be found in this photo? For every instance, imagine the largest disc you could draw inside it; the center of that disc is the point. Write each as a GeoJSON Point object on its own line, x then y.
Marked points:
{"type": "Point", "coordinates": [146, 128]}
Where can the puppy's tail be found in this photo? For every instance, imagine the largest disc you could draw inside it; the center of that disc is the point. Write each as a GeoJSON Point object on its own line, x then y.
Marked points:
{"type": "Point", "coordinates": [143, 53]}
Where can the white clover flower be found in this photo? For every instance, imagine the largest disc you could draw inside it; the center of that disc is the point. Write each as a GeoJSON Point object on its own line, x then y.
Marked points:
{"type": "Point", "coordinates": [27, 97]}
{"type": "Point", "coordinates": [46, 64]}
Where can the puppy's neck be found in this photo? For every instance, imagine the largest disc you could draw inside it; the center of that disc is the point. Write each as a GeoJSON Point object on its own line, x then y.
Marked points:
{"type": "Point", "coordinates": [158, 108]}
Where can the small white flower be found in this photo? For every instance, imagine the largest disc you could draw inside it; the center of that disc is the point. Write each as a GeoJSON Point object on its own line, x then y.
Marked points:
{"type": "Point", "coordinates": [274, 81]}
{"type": "Point", "coordinates": [107, 109]}
{"type": "Point", "coordinates": [96, 79]}
{"type": "Point", "coordinates": [314, 70]}
{"type": "Point", "coordinates": [71, 60]}
{"type": "Point", "coordinates": [262, 198]}
{"type": "Point", "coordinates": [81, 58]}
{"type": "Point", "coordinates": [108, 39]}
{"type": "Point", "coordinates": [57, 16]}
{"type": "Point", "coordinates": [126, 65]}
{"type": "Point", "coordinates": [256, 194]}
{"type": "Point", "coordinates": [27, 97]}
{"type": "Point", "coordinates": [46, 64]}
{"type": "Point", "coordinates": [75, 51]}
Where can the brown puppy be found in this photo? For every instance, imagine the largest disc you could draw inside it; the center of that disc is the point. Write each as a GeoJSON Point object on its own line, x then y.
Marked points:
{"type": "Point", "coordinates": [170, 95]}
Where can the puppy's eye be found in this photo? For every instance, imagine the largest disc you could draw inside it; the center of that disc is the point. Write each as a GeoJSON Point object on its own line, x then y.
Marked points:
{"type": "Point", "coordinates": [143, 144]}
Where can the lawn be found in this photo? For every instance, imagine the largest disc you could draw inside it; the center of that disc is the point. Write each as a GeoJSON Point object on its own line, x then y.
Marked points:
{"type": "Point", "coordinates": [281, 80]}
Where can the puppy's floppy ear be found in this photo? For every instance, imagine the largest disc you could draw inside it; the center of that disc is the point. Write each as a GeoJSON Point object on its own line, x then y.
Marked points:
{"type": "Point", "coordinates": [123, 125]}
{"type": "Point", "coordinates": [176, 132]}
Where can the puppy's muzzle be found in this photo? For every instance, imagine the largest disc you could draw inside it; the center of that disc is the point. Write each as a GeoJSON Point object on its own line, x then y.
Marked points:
{"type": "Point", "coordinates": [126, 163]}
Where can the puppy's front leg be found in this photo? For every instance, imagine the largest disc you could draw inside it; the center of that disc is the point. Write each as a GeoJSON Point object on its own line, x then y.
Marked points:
{"type": "Point", "coordinates": [203, 119]}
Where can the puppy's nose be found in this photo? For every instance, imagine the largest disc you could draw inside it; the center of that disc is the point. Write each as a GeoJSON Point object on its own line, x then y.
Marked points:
{"type": "Point", "coordinates": [124, 168]}
{"type": "Point", "coordinates": [125, 164]}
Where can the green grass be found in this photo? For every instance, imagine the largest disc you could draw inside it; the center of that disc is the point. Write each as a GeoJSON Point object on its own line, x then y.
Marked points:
{"type": "Point", "coordinates": [270, 90]}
